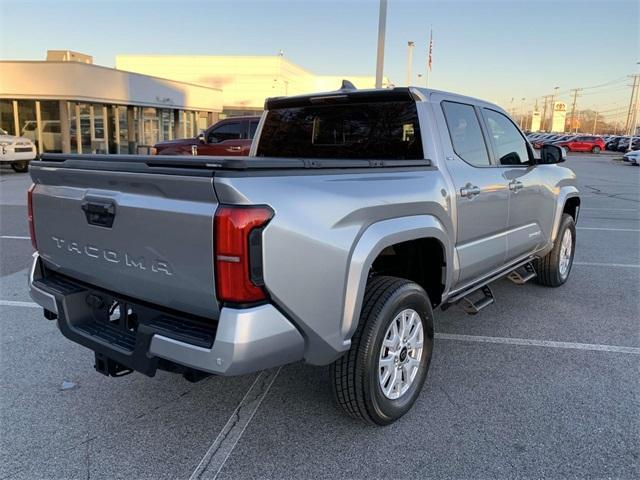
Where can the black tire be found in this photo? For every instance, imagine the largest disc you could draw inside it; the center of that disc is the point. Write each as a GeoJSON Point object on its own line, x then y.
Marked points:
{"type": "Point", "coordinates": [596, 149]}
{"type": "Point", "coordinates": [548, 267]}
{"type": "Point", "coordinates": [20, 166]}
{"type": "Point", "coordinates": [355, 381]}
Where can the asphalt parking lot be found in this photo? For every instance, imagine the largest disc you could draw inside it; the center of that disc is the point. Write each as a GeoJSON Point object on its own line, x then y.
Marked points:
{"type": "Point", "coordinates": [545, 383]}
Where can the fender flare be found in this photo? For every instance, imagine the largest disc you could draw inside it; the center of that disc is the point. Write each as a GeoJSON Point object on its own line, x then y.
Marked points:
{"type": "Point", "coordinates": [566, 193]}
{"type": "Point", "coordinates": [373, 240]}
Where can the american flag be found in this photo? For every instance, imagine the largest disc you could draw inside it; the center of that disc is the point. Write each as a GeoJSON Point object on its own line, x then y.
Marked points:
{"type": "Point", "coordinates": [430, 50]}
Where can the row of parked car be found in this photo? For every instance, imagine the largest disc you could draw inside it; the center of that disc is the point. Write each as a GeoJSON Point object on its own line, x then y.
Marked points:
{"type": "Point", "coordinates": [585, 143]}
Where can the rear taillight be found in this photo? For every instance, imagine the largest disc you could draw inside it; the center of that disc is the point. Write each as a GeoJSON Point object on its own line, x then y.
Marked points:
{"type": "Point", "coordinates": [32, 230]}
{"type": "Point", "coordinates": [238, 253]}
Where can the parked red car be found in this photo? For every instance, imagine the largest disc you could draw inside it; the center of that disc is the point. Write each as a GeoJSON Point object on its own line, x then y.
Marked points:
{"type": "Point", "coordinates": [583, 144]}
{"type": "Point", "coordinates": [229, 137]}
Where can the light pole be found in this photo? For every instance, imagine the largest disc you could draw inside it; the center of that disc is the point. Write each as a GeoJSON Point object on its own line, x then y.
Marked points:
{"type": "Point", "coordinates": [409, 63]}
{"type": "Point", "coordinates": [382, 23]}
{"type": "Point", "coordinates": [553, 105]}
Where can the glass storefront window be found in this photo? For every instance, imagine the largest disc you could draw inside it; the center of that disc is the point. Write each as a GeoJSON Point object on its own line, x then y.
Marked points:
{"type": "Point", "coordinates": [150, 126]}
{"type": "Point", "coordinates": [124, 131]}
{"type": "Point", "coordinates": [189, 121]}
{"type": "Point", "coordinates": [81, 129]}
{"type": "Point", "coordinates": [99, 142]}
{"type": "Point", "coordinates": [27, 124]}
{"type": "Point", "coordinates": [51, 130]}
{"type": "Point", "coordinates": [7, 122]}
{"type": "Point", "coordinates": [167, 124]}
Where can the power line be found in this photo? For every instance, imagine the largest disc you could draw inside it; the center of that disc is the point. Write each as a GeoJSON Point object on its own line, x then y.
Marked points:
{"type": "Point", "coordinates": [610, 82]}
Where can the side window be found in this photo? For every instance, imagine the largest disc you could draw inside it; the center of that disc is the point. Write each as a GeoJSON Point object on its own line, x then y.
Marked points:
{"type": "Point", "coordinates": [253, 126]}
{"type": "Point", "coordinates": [465, 132]}
{"type": "Point", "coordinates": [510, 146]}
{"type": "Point", "coordinates": [228, 131]}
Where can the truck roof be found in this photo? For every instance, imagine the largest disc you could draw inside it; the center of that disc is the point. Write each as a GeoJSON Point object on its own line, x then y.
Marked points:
{"type": "Point", "coordinates": [417, 94]}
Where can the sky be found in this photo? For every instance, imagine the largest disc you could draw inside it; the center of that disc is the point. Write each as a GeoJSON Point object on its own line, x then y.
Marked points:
{"type": "Point", "coordinates": [496, 50]}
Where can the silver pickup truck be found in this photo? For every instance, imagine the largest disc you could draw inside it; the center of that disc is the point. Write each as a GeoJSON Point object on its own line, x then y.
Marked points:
{"type": "Point", "coordinates": [357, 213]}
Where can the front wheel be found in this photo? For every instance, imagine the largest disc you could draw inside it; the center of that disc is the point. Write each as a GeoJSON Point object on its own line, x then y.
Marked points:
{"type": "Point", "coordinates": [595, 149]}
{"type": "Point", "coordinates": [554, 268]}
{"type": "Point", "coordinates": [20, 166]}
{"type": "Point", "coordinates": [381, 376]}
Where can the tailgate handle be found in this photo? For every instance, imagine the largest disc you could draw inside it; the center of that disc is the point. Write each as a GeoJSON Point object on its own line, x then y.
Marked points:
{"type": "Point", "coordinates": [100, 214]}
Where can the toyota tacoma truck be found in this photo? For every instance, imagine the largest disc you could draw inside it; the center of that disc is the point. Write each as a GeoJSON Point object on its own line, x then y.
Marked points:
{"type": "Point", "coordinates": [356, 215]}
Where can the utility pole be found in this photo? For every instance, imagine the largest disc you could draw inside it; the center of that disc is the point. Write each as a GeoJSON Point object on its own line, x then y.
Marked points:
{"type": "Point", "coordinates": [595, 121]}
{"type": "Point", "coordinates": [382, 24]}
{"type": "Point", "coordinates": [632, 116]}
{"type": "Point", "coordinates": [553, 104]}
{"type": "Point", "coordinates": [573, 108]}
{"type": "Point", "coordinates": [409, 63]}
{"type": "Point", "coordinates": [634, 87]}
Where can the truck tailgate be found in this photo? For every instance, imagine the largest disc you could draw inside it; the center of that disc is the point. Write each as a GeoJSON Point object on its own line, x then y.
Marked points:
{"type": "Point", "coordinates": [148, 236]}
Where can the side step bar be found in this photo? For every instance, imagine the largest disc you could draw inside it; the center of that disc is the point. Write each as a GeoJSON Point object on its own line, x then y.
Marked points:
{"type": "Point", "coordinates": [472, 307]}
{"type": "Point", "coordinates": [523, 274]}
{"type": "Point", "coordinates": [476, 297]}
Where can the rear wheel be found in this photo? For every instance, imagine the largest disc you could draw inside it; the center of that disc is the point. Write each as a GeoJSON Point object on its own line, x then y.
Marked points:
{"type": "Point", "coordinates": [596, 149]}
{"type": "Point", "coordinates": [20, 166]}
{"type": "Point", "coordinates": [554, 268]}
{"type": "Point", "coordinates": [381, 376]}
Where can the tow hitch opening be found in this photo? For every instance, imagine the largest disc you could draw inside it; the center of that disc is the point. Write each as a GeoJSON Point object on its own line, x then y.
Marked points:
{"type": "Point", "coordinates": [110, 367]}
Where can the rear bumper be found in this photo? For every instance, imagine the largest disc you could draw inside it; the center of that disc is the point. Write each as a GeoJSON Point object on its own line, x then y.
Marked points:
{"type": "Point", "coordinates": [243, 341]}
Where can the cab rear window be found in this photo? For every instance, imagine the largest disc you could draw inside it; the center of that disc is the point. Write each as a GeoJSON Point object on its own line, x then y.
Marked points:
{"type": "Point", "coordinates": [377, 130]}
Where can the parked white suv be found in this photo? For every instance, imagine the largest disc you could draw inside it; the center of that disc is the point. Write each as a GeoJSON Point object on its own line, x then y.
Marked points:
{"type": "Point", "coordinates": [18, 151]}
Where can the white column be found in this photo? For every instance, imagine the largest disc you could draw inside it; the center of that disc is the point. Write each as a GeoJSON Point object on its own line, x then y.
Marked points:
{"type": "Point", "coordinates": [105, 126]}
{"type": "Point", "coordinates": [16, 118]}
{"type": "Point", "coordinates": [39, 127]}
{"type": "Point", "coordinates": [65, 126]}
{"type": "Point", "coordinates": [78, 130]}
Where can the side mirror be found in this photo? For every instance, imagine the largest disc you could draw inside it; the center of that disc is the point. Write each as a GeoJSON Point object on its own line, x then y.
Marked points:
{"type": "Point", "coordinates": [200, 137]}
{"type": "Point", "coordinates": [550, 154]}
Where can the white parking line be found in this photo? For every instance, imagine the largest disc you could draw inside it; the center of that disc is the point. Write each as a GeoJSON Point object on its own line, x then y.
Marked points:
{"type": "Point", "coordinates": [219, 451]}
{"type": "Point", "coordinates": [610, 229]}
{"type": "Point", "coordinates": [14, 303]}
{"type": "Point", "coordinates": [596, 264]}
{"type": "Point", "coordinates": [610, 209]}
{"type": "Point", "coordinates": [14, 237]}
{"type": "Point", "coordinates": [539, 343]}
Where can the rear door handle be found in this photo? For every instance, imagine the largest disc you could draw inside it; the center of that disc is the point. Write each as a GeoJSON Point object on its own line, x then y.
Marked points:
{"type": "Point", "coordinates": [469, 190]}
{"type": "Point", "coordinates": [514, 185]}
{"type": "Point", "coordinates": [234, 149]}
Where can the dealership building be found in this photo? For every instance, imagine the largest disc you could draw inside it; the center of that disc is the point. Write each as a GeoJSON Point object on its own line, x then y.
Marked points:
{"type": "Point", "coordinates": [68, 104]}
{"type": "Point", "coordinates": [245, 81]}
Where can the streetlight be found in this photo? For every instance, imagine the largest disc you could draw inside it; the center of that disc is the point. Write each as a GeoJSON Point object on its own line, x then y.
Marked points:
{"type": "Point", "coordinates": [410, 63]}
{"type": "Point", "coordinates": [382, 22]}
